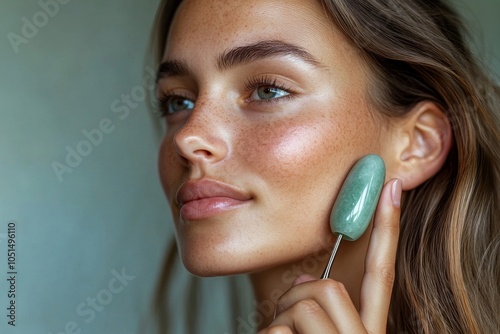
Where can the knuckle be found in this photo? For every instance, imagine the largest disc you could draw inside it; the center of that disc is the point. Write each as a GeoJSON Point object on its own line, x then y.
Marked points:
{"type": "Point", "coordinates": [334, 289]}
{"type": "Point", "coordinates": [387, 275]}
{"type": "Point", "coordinates": [278, 329]}
{"type": "Point", "coordinates": [306, 306]}
{"type": "Point", "coordinates": [391, 230]}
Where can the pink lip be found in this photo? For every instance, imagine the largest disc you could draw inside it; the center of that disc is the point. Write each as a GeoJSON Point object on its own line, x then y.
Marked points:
{"type": "Point", "coordinates": [205, 198]}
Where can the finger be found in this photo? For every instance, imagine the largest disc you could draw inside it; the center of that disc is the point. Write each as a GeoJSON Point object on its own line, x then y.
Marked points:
{"type": "Point", "coordinates": [303, 278]}
{"type": "Point", "coordinates": [278, 329]}
{"type": "Point", "coordinates": [305, 317]}
{"type": "Point", "coordinates": [380, 261]}
{"type": "Point", "coordinates": [329, 295]}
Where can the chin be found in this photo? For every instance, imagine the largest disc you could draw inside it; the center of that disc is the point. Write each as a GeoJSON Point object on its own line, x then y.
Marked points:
{"type": "Point", "coordinates": [221, 267]}
{"type": "Point", "coordinates": [206, 259]}
{"type": "Point", "coordinates": [214, 261]}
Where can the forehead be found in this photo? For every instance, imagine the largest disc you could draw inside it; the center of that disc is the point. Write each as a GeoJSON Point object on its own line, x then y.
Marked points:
{"type": "Point", "coordinates": [208, 25]}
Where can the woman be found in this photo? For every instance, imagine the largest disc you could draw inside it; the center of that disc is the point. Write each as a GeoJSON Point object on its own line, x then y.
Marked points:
{"type": "Point", "coordinates": [268, 104]}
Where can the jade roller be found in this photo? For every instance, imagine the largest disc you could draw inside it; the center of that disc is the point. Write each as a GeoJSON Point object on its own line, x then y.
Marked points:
{"type": "Point", "coordinates": [356, 202]}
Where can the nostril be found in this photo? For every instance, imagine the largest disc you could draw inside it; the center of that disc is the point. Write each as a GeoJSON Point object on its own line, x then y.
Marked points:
{"type": "Point", "coordinates": [197, 148]}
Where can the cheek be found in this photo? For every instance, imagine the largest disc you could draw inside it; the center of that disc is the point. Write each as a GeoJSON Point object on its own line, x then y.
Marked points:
{"type": "Point", "coordinates": [289, 149]}
{"type": "Point", "coordinates": [304, 158]}
{"type": "Point", "coordinates": [296, 148]}
{"type": "Point", "coordinates": [169, 167]}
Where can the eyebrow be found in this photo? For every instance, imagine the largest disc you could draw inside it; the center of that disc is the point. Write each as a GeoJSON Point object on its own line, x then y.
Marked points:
{"type": "Point", "coordinates": [241, 55]}
{"type": "Point", "coordinates": [260, 50]}
{"type": "Point", "coordinates": [172, 68]}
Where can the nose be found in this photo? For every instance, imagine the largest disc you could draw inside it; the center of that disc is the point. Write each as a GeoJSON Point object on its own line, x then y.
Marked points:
{"type": "Point", "coordinates": [202, 140]}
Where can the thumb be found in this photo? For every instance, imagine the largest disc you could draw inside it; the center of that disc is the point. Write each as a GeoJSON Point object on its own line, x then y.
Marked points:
{"type": "Point", "coordinates": [303, 278]}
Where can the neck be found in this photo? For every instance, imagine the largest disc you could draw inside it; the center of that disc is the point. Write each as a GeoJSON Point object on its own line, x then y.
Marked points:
{"type": "Point", "coordinates": [348, 268]}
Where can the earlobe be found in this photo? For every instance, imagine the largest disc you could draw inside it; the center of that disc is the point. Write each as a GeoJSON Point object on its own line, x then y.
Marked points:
{"type": "Point", "coordinates": [425, 139]}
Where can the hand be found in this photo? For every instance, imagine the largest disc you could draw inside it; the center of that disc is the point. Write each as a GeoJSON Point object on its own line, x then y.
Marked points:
{"type": "Point", "coordinates": [324, 306]}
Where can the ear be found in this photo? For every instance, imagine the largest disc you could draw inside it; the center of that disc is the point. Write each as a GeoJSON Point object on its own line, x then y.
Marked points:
{"type": "Point", "coordinates": [421, 141]}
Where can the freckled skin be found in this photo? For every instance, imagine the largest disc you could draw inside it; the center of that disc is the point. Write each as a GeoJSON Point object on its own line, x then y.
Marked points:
{"type": "Point", "coordinates": [291, 156]}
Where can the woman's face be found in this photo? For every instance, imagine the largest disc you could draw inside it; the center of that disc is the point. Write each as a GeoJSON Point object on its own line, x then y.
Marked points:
{"type": "Point", "coordinates": [267, 111]}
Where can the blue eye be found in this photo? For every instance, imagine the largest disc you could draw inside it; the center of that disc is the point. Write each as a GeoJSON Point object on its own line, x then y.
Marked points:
{"type": "Point", "coordinates": [175, 104]}
{"type": "Point", "coordinates": [268, 92]}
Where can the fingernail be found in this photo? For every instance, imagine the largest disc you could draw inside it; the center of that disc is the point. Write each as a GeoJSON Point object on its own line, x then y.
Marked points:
{"type": "Point", "coordinates": [303, 278]}
{"type": "Point", "coordinates": [396, 193]}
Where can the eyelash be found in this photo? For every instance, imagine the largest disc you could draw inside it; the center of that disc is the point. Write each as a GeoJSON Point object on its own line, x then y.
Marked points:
{"type": "Point", "coordinates": [256, 82]}
{"type": "Point", "coordinates": [250, 86]}
{"type": "Point", "coordinates": [164, 97]}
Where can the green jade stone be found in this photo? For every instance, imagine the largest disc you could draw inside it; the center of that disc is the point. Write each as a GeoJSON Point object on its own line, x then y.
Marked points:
{"type": "Point", "coordinates": [358, 198]}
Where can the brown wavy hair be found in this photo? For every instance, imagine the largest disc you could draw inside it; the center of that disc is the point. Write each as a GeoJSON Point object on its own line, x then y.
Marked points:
{"type": "Point", "coordinates": [448, 261]}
